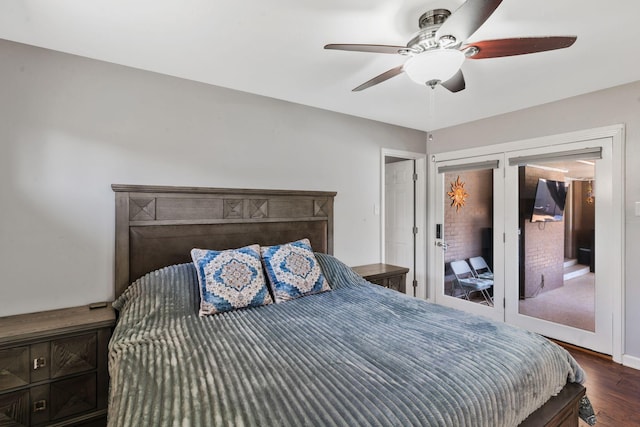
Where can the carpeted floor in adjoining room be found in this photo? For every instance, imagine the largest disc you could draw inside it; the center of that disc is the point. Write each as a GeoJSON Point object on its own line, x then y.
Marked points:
{"type": "Point", "coordinates": [572, 304]}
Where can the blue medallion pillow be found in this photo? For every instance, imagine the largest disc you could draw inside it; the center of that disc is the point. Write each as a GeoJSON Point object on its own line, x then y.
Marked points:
{"type": "Point", "coordinates": [230, 279]}
{"type": "Point", "coordinates": [292, 270]}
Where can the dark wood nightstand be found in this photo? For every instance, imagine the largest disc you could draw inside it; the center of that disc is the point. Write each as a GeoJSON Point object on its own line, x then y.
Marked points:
{"type": "Point", "coordinates": [53, 366]}
{"type": "Point", "coordinates": [387, 275]}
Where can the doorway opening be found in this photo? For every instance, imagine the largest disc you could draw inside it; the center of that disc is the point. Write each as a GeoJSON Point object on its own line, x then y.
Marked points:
{"type": "Point", "coordinates": [403, 216]}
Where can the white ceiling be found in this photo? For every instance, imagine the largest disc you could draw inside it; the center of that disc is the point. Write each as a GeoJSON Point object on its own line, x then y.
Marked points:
{"type": "Point", "coordinates": [275, 48]}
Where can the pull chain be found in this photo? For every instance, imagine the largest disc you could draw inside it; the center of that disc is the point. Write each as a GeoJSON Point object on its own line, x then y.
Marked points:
{"type": "Point", "coordinates": [431, 113]}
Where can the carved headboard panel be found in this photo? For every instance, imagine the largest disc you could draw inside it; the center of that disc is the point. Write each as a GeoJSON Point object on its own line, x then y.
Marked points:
{"type": "Point", "coordinates": [158, 226]}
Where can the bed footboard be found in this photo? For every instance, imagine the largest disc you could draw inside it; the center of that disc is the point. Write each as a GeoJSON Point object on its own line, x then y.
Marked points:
{"type": "Point", "coordinates": [560, 410]}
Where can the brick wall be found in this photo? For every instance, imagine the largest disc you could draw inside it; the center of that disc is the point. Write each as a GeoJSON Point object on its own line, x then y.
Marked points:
{"type": "Point", "coordinates": [463, 228]}
{"type": "Point", "coordinates": [543, 241]}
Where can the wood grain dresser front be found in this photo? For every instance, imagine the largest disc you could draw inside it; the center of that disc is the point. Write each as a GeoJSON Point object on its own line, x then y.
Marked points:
{"type": "Point", "coordinates": [53, 366]}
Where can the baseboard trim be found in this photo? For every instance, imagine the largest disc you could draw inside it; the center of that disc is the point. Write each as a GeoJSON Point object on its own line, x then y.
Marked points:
{"type": "Point", "coordinates": [631, 361]}
{"type": "Point", "coordinates": [581, 349]}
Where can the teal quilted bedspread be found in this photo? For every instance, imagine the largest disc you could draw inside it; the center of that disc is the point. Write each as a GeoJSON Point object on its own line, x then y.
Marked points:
{"type": "Point", "coordinates": [358, 355]}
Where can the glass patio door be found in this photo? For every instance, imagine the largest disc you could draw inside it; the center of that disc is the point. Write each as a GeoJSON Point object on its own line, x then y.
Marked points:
{"type": "Point", "coordinates": [558, 203]}
{"type": "Point", "coordinates": [468, 242]}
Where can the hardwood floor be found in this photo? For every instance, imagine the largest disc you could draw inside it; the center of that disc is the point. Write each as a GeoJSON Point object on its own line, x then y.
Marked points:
{"type": "Point", "coordinates": [614, 390]}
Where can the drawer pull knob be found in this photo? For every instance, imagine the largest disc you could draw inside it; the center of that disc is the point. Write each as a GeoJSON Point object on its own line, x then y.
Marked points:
{"type": "Point", "coordinates": [39, 405]}
{"type": "Point", "coordinates": [39, 362]}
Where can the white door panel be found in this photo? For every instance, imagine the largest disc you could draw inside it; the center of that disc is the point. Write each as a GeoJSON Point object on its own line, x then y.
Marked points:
{"type": "Point", "coordinates": [399, 216]}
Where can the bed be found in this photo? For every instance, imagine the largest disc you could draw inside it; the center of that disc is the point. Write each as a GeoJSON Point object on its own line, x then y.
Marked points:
{"type": "Point", "coordinates": [358, 354]}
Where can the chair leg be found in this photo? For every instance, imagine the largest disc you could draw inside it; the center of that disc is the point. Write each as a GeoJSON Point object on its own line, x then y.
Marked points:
{"type": "Point", "coordinates": [484, 292]}
{"type": "Point", "coordinates": [487, 297]}
{"type": "Point", "coordinates": [465, 292]}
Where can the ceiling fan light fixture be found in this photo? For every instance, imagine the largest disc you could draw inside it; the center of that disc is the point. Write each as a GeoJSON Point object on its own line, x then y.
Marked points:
{"type": "Point", "coordinates": [436, 52]}
{"type": "Point", "coordinates": [437, 64]}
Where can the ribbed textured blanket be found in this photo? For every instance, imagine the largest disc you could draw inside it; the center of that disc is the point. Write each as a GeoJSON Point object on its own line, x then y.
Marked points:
{"type": "Point", "coordinates": [358, 355]}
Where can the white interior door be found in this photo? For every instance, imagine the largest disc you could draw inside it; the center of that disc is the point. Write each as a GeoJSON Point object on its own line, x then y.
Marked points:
{"type": "Point", "coordinates": [469, 206]}
{"type": "Point", "coordinates": [537, 299]}
{"type": "Point", "coordinates": [399, 216]}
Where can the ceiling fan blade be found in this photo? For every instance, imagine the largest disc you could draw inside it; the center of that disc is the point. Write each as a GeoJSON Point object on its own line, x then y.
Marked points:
{"type": "Point", "coordinates": [379, 79]}
{"type": "Point", "coordinates": [518, 46]}
{"type": "Point", "coordinates": [372, 48]}
{"type": "Point", "coordinates": [455, 83]}
{"type": "Point", "coordinates": [468, 18]}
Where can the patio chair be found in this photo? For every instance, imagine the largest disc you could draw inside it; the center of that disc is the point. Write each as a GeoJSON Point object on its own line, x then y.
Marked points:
{"type": "Point", "coordinates": [480, 268]}
{"type": "Point", "coordinates": [469, 283]}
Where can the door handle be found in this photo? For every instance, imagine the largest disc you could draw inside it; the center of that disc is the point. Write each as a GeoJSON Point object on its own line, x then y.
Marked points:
{"type": "Point", "coordinates": [443, 245]}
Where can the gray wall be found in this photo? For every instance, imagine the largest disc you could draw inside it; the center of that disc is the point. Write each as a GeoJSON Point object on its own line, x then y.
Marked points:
{"type": "Point", "coordinates": [71, 126]}
{"type": "Point", "coordinates": [608, 107]}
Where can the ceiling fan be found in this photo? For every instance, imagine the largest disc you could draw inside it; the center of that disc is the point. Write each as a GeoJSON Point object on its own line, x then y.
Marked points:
{"type": "Point", "coordinates": [439, 48]}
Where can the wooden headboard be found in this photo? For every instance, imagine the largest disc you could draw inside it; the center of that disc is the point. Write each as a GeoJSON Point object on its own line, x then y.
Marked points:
{"type": "Point", "coordinates": [158, 226]}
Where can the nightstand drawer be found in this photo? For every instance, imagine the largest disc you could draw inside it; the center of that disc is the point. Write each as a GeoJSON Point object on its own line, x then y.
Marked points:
{"type": "Point", "coordinates": [14, 367]}
{"type": "Point", "coordinates": [49, 402]}
{"type": "Point", "coordinates": [73, 355]}
{"type": "Point", "coordinates": [14, 408]}
{"type": "Point", "coordinates": [23, 365]}
{"type": "Point", "coordinates": [397, 283]}
{"type": "Point", "coordinates": [73, 396]}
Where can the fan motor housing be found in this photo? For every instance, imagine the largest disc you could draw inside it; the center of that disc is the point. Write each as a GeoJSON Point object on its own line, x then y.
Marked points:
{"type": "Point", "coordinates": [433, 17]}
{"type": "Point", "coordinates": [429, 24]}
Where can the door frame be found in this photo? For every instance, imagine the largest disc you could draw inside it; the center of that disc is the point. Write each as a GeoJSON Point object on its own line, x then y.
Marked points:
{"type": "Point", "coordinates": [420, 207]}
{"type": "Point", "coordinates": [617, 220]}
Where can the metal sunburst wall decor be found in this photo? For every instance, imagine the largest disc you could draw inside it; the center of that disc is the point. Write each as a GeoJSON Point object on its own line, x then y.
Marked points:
{"type": "Point", "coordinates": [458, 194]}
